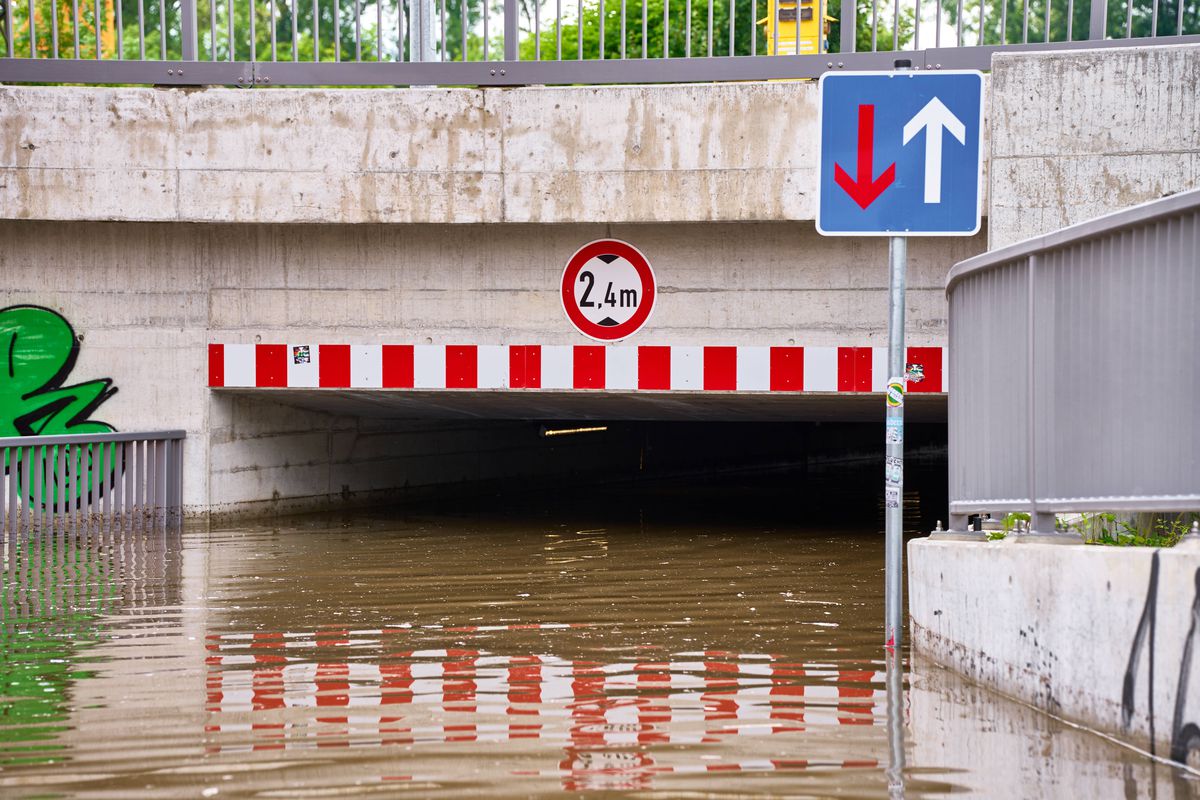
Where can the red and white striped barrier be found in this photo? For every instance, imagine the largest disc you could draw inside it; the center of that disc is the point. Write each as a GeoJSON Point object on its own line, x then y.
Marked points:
{"type": "Point", "coordinates": [437, 696]}
{"type": "Point", "coordinates": [607, 367]}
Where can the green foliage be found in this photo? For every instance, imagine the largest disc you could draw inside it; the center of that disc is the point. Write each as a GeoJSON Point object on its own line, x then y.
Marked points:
{"type": "Point", "coordinates": [995, 536]}
{"type": "Point", "coordinates": [1010, 520]}
{"type": "Point", "coordinates": [1150, 530]}
{"type": "Point", "coordinates": [1026, 19]}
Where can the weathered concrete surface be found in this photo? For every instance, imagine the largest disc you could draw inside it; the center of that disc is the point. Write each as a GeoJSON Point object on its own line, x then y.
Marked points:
{"type": "Point", "coordinates": [742, 151]}
{"type": "Point", "coordinates": [693, 152]}
{"type": "Point", "coordinates": [148, 298]}
{"type": "Point", "coordinates": [999, 748]}
{"type": "Point", "coordinates": [1078, 134]}
{"type": "Point", "coordinates": [1101, 635]}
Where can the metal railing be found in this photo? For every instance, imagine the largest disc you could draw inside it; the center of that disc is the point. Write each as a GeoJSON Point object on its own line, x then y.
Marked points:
{"type": "Point", "coordinates": [110, 480]}
{"type": "Point", "coordinates": [1076, 358]}
{"type": "Point", "coordinates": [521, 42]}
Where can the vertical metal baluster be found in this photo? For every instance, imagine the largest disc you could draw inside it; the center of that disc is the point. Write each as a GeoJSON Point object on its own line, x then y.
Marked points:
{"type": "Point", "coordinates": [465, 24]}
{"type": "Point", "coordinates": [666, 28]}
{"type": "Point", "coordinates": [27, 489]}
{"type": "Point", "coordinates": [732, 18]}
{"type": "Point", "coordinates": [1153, 16]}
{"type": "Point", "coordinates": [982, 11]}
{"type": "Point", "coordinates": [917, 23]}
{"type": "Point", "coordinates": [537, 30]}
{"type": "Point", "coordinates": [253, 33]}
{"type": "Point", "coordinates": [72, 483]}
{"type": "Point", "coordinates": [212, 30]}
{"type": "Point", "coordinates": [7, 477]}
{"type": "Point", "coordinates": [33, 29]}
{"type": "Point", "coordinates": [274, 43]}
{"type": "Point", "coordinates": [487, 45]}
{"type": "Point", "coordinates": [400, 32]}
{"type": "Point", "coordinates": [1179, 17]}
{"type": "Point", "coordinates": [54, 29]}
{"type": "Point", "coordinates": [229, 26]}
{"type": "Point", "coordinates": [60, 486]}
{"type": "Point", "coordinates": [579, 31]}
{"type": "Point", "coordinates": [120, 470]}
{"type": "Point", "coordinates": [152, 469]}
{"type": "Point", "coordinates": [8, 26]}
{"type": "Point", "coordinates": [379, 30]}
{"type": "Point", "coordinates": [316, 32]}
{"type": "Point", "coordinates": [896, 25]}
{"type": "Point", "coordinates": [295, 32]}
{"type": "Point", "coordinates": [710, 29]}
{"type": "Point", "coordinates": [645, 30]}
{"type": "Point", "coordinates": [96, 18]}
{"type": "Point", "coordinates": [774, 44]}
{"type": "Point", "coordinates": [139, 480]}
{"type": "Point", "coordinates": [602, 26]}
{"type": "Point", "coordinates": [357, 30]}
{"type": "Point", "coordinates": [875, 25]}
{"type": "Point", "coordinates": [753, 27]}
{"type": "Point", "coordinates": [558, 30]}
{"type": "Point", "coordinates": [623, 11]}
{"type": "Point", "coordinates": [687, 27]}
{"type": "Point", "coordinates": [1128, 18]}
{"type": "Point", "coordinates": [1025, 21]}
{"type": "Point", "coordinates": [1003, 21]}
{"type": "Point", "coordinates": [102, 496]}
{"type": "Point", "coordinates": [162, 30]}
{"type": "Point", "coordinates": [337, 30]}
{"type": "Point", "coordinates": [1046, 20]}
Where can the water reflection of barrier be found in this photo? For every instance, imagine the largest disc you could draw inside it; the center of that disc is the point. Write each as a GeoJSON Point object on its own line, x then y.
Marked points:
{"type": "Point", "coordinates": [271, 691]}
{"type": "Point", "coordinates": [110, 479]}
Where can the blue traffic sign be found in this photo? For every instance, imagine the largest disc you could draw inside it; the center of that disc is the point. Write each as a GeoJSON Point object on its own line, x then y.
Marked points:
{"type": "Point", "coordinates": [900, 153]}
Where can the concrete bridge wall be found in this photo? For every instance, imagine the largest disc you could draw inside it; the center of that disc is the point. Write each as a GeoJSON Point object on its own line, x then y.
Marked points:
{"type": "Point", "coordinates": [159, 221]}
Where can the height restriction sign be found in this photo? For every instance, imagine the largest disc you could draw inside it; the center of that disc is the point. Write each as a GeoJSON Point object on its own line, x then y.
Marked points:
{"type": "Point", "coordinates": [608, 290]}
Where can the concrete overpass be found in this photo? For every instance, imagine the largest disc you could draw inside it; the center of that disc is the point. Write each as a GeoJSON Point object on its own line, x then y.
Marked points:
{"type": "Point", "coordinates": [192, 237]}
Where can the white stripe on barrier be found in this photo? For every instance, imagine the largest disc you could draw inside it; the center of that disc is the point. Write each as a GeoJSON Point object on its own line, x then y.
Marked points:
{"type": "Point", "coordinates": [558, 367]}
{"type": "Point", "coordinates": [820, 369]}
{"type": "Point", "coordinates": [366, 366]}
{"type": "Point", "coordinates": [687, 368]}
{"type": "Point", "coordinates": [493, 366]}
{"type": "Point", "coordinates": [753, 369]}
{"type": "Point", "coordinates": [620, 368]}
{"type": "Point", "coordinates": [239, 365]}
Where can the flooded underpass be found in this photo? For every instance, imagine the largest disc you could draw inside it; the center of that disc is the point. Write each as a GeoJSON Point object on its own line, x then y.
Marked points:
{"type": "Point", "coordinates": [668, 638]}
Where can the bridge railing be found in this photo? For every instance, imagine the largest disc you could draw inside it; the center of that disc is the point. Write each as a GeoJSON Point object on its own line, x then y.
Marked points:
{"type": "Point", "coordinates": [113, 480]}
{"type": "Point", "coordinates": [522, 42]}
{"type": "Point", "coordinates": [1076, 358]}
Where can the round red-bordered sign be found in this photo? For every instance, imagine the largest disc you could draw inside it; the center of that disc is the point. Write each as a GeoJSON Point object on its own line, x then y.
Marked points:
{"type": "Point", "coordinates": [608, 290]}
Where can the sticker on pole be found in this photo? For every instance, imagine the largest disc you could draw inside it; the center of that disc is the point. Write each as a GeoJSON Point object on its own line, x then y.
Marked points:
{"type": "Point", "coordinates": [608, 290]}
{"type": "Point", "coordinates": [895, 392]}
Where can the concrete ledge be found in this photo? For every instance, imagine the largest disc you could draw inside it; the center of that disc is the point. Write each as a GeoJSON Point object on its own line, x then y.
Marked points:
{"type": "Point", "coordinates": [695, 152]}
{"type": "Point", "coordinates": [1106, 636]}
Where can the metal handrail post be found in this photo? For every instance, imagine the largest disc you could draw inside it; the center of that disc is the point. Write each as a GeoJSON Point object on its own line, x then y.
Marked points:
{"type": "Point", "coordinates": [849, 22]}
{"type": "Point", "coordinates": [187, 29]}
{"type": "Point", "coordinates": [1098, 25]}
{"type": "Point", "coordinates": [511, 34]}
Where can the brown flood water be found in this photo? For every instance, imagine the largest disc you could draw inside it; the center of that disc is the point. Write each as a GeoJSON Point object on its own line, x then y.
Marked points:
{"type": "Point", "coordinates": [497, 654]}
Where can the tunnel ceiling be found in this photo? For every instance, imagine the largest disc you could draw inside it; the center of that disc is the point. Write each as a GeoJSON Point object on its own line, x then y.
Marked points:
{"type": "Point", "coordinates": [548, 404]}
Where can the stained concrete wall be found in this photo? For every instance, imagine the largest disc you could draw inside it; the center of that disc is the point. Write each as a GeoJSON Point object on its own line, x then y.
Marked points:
{"type": "Point", "coordinates": [147, 299]}
{"type": "Point", "coordinates": [1100, 635]}
{"type": "Point", "coordinates": [739, 151]}
{"type": "Point", "coordinates": [1078, 134]}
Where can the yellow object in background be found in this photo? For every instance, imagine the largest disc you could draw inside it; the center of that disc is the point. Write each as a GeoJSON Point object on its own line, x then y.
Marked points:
{"type": "Point", "coordinates": [788, 20]}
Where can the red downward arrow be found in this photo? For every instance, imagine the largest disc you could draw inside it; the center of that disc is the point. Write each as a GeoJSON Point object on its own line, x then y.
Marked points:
{"type": "Point", "coordinates": [862, 189]}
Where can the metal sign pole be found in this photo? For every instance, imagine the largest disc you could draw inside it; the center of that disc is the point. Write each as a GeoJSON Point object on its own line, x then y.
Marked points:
{"type": "Point", "coordinates": [894, 455]}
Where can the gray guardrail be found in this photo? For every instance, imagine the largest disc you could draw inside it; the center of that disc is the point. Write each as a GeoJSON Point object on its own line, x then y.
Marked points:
{"type": "Point", "coordinates": [120, 480]}
{"type": "Point", "coordinates": [1076, 361]}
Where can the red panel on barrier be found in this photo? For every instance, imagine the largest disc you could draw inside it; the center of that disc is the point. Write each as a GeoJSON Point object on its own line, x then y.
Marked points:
{"type": "Point", "coordinates": [854, 369]}
{"type": "Point", "coordinates": [720, 368]}
{"type": "Point", "coordinates": [924, 368]}
{"type": "Point", "coordinates": [525, 366]}
{"type": "Point", "coordinates": [654, 367]}
{"type": "Point", "coordinates": [589, 366]}
{"type": "Point", "coordinates": [462, 366]}
{"type": "Point", "coordinates": [787, 369]}
{"type": "Point", "coordinates": [216, 365]}
{"type": "Point", "coordinates": [334, 366]}
{"type": "Point", "coordinates": [397, 366]}
{"type": "Point", "coordinates": [270, 365]}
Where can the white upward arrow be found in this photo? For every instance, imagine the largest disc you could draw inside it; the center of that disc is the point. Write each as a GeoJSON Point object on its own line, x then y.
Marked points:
{"type": "Point", "coordinates": [934, 117]}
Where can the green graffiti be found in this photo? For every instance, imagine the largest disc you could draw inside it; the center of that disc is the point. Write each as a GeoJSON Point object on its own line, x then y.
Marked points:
{"type": "Point", "coordinates": [38, 350]}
